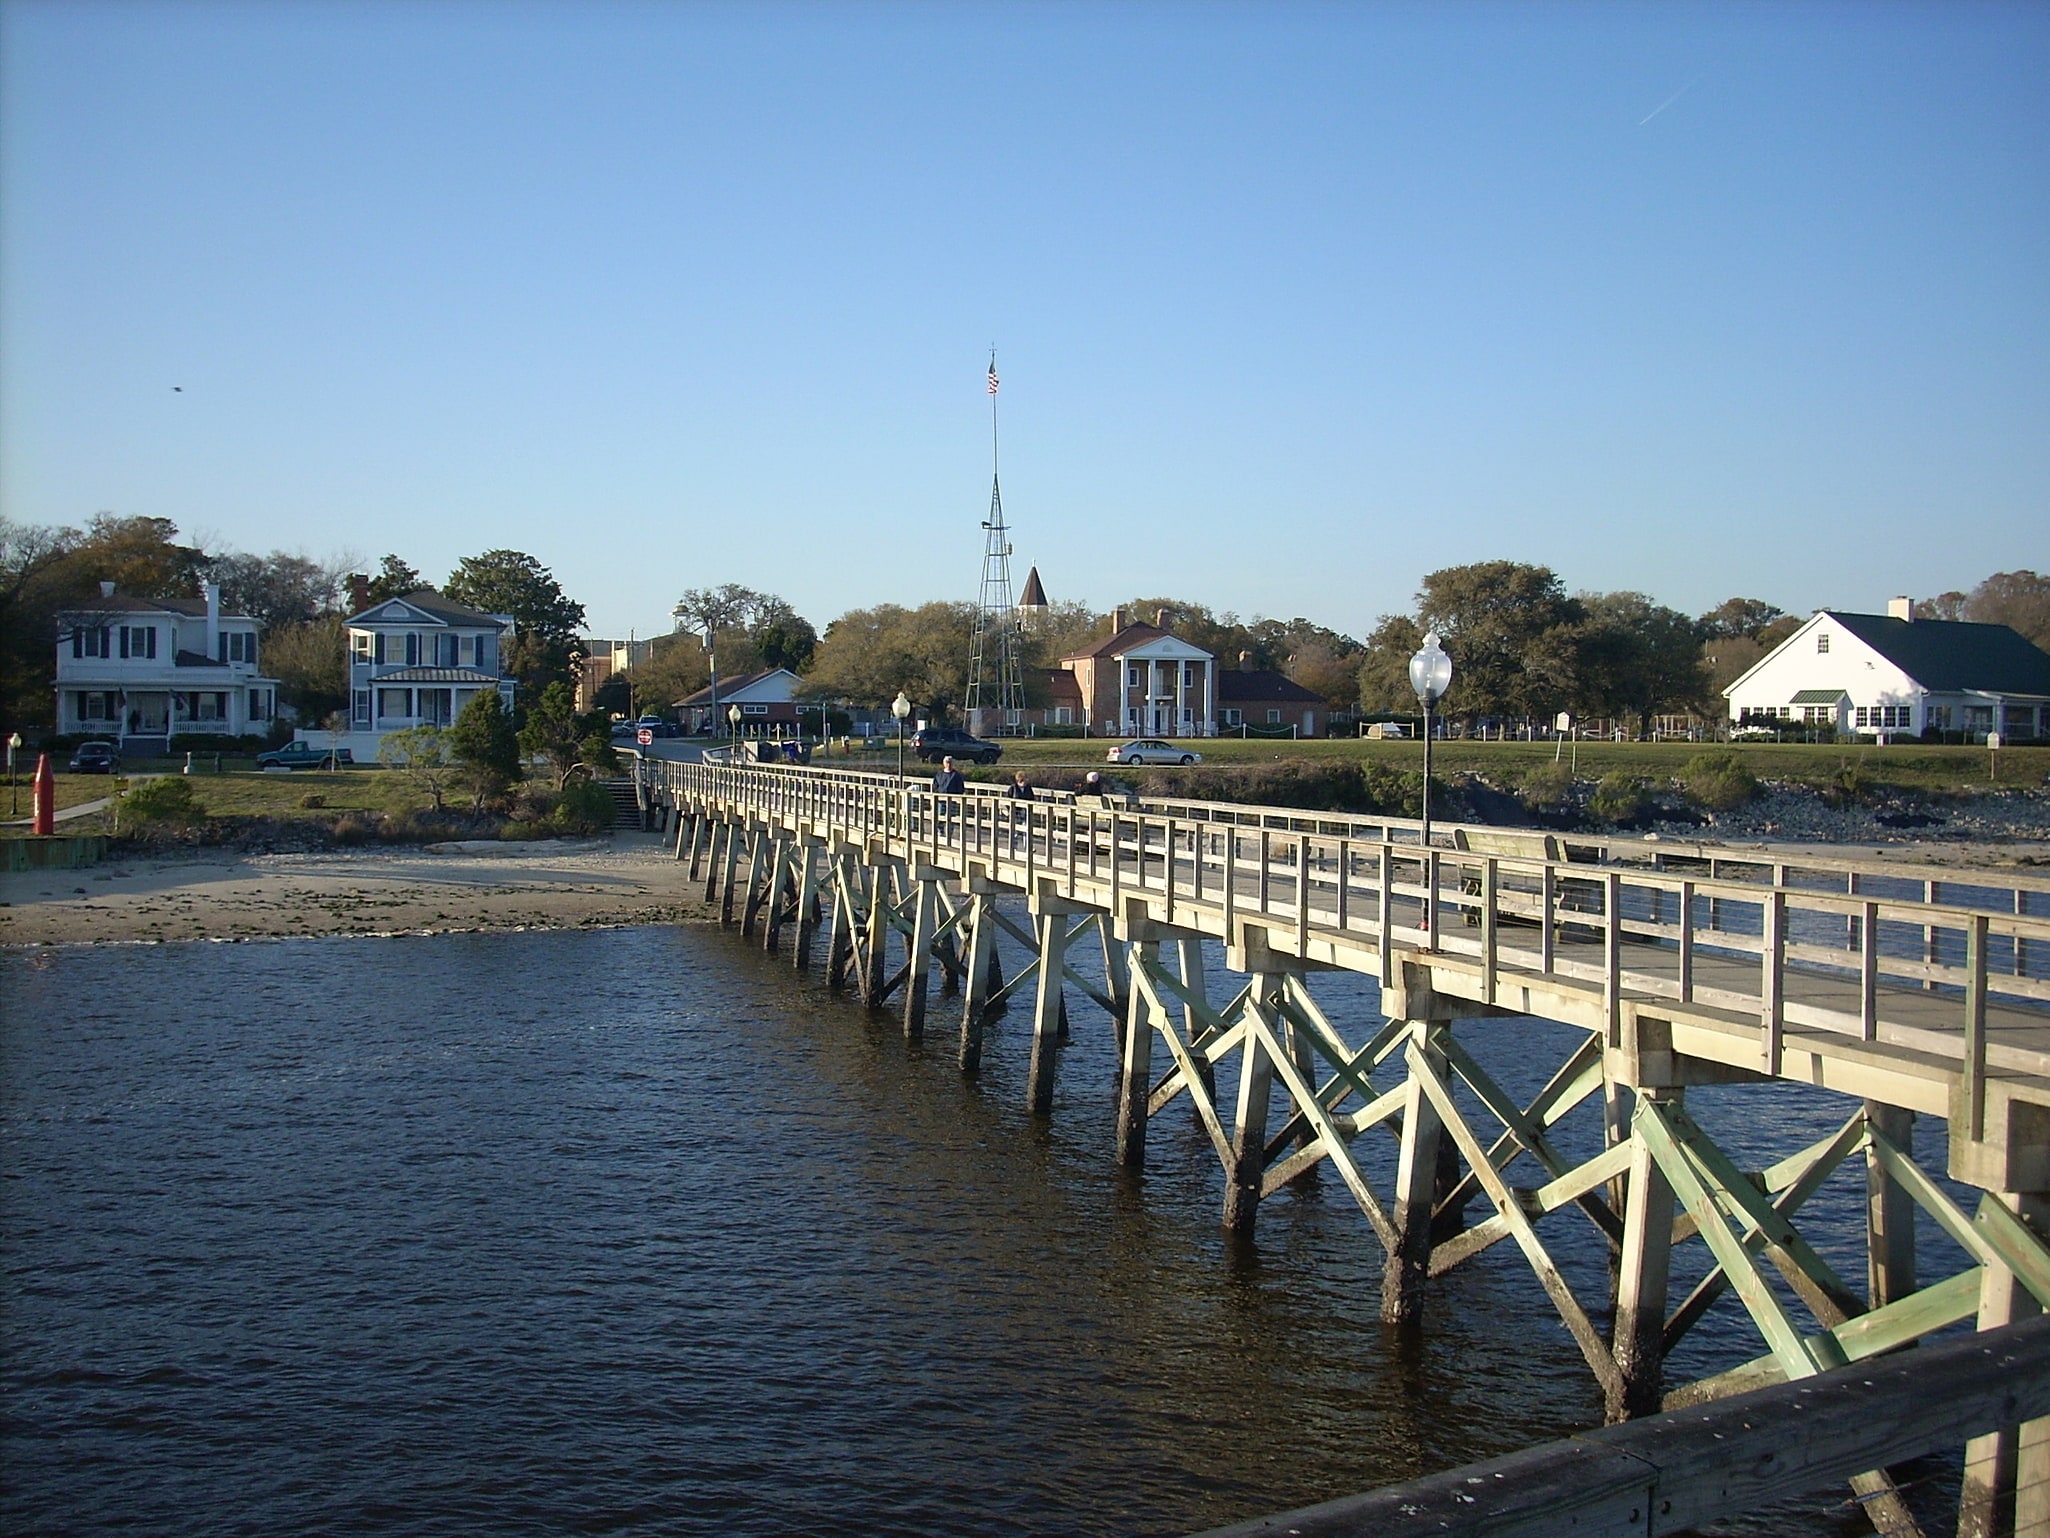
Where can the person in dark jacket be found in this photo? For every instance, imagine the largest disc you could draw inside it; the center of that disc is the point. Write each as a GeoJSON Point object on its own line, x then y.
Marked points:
{"type": "Point", "coordinates": [949, 781]}
{"type": "Point", "coordinates": [1020, 788]}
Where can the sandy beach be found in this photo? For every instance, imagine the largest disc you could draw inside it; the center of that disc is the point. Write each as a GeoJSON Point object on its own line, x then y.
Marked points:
{"type": "Point", "coordinates": [630, 878]}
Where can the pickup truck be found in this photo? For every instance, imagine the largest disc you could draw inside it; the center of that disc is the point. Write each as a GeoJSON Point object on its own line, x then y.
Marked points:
{"type": "Point", "coordinates": [305, 755]}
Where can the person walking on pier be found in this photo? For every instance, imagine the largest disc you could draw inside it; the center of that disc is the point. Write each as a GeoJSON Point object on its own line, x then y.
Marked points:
{"type": "Point", "coordinates": [1020, 789]}
{"type": "Point", "coordinates": [949, 781]}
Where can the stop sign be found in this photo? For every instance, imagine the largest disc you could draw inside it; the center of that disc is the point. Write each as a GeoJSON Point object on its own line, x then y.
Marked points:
{"type": "Point", "coordinates": [644, 736]}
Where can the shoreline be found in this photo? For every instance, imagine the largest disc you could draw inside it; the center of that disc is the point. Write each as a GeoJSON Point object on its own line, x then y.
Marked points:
{"type": "Point", "coordinates": [484, 887]}
{"type": "Point", "coordinates": [630, 878]}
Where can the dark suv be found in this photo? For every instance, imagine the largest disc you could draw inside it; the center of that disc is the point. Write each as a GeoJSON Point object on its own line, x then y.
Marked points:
{"type": "Point", "coordinates": [96, 758]}
{"type": "Point", "coordinates": [938, 742]}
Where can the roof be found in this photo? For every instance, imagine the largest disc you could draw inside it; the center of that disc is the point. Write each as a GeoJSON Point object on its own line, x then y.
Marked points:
{"type": "Point", "coordinates": [1060, 685]}
{"type": "Point", "coordinates": [1034, 596]}
{"type": "Point", "coordinates": [1130, 638]}
{"type": "Point", "coordinates": [1945, 655]}
{"type": "Point", "coordinates": [729, 687]}
{"type": "Point", "coordinates": [1263, 684]}
{"type": "Point", "coordinates": [432, 676]}
{"type": "Point", "coordinates": [186, 659]}
{"type": "Point", "coordinates": [1819, 697]}
{"type": "Point", "coordinates": [430, 602]}
{"type": "Point", "coordinates": [128, 603]}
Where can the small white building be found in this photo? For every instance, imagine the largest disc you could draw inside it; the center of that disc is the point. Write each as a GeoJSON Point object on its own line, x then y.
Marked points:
{"type": "Point", "coordinates": [141, 671]}
{"type": "Point", "coordinates": [417, 661]}
{"type": "Point", "coordinates": [1892, 675]}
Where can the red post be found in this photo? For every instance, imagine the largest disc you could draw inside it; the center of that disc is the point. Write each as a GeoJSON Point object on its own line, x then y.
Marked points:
{"type": "Point", "coordinates": [43, 798]}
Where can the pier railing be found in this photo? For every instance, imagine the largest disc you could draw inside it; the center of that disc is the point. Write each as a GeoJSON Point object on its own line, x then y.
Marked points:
{"type": "Point", "coordinates": [1936, 964]}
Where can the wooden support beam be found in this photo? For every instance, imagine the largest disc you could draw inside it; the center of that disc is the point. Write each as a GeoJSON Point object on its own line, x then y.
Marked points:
{"type": "Point", "coordinates": [2008, 1469]}
{"type": "Point", "coordinates": [1249, 1127]}
{"type": "Point", "coordinates": [807, 854]}
{"type": "Point", "coordinates": [1135, 1078]}
{"type": "Point", "coordinates": [1639, 1337]}
{"type": "Point", "coordinates": [1048, 1013]}
{"type": "Point", "coordinates": [982, 938]}
{"type": "Point", "coordinates": [761, 841]}
{"type": "Point", "coordinates": [1889, 1209]}
{"type": "Point", "coordinates": [918, 954]}
{"type": "Point", "coordinates": [1409, 1257]}
{"type": "Point", "coordinates": [776, 890]}
{"type": "Point", "coordinates": [729, 874]}
{"type": "Point", "coordinates": [875, 952]}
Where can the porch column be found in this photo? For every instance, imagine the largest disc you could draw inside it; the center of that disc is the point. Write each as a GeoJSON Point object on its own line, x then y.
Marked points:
{"type": "Point", "coordinates": [1209, 698]}
{"type": "Point", "coordinates": [1181, 692]}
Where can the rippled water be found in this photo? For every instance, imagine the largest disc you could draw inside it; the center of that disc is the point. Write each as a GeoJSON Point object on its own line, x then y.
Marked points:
{"type": "Point", "coordinates": [635, 1232]}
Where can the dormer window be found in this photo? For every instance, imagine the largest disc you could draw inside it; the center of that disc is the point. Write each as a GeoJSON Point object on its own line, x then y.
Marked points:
{"type": "Point", "coordinates": [1822, 642]}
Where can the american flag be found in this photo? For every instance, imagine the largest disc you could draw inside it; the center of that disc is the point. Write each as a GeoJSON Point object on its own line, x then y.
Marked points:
{"type": "Point", "coordinates": [992, 376]}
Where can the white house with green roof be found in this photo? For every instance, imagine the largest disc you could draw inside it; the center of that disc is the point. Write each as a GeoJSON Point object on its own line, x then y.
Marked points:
{"type": "Point", "coordinates": [1892, 675]}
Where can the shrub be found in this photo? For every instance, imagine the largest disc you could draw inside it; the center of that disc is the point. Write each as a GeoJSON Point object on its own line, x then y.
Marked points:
{"type": "Point", "coordinates": [1618, 798]}
{"type": "Point", "coordinates": [1846, 786]}
{"type": "Point", "coordinates": [1719, 781]}
{"type": "Point", "coordinates": [352, 829]}
{"type": "Point", "coordinates": [166, 799]}
{"type": "Point", "coordinates": [583, 807]}
{"type": "Point", "coordinates": [1546, 787]}
{"type": "Point", "coordinates": [313, 802]}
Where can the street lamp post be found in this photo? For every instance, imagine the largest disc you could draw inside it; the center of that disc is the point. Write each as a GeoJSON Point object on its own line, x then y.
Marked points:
{"type": "Point", "coordinates": [733, 719]}
{"type": "Point", "coordinates": [1430, 671]}
{"type": "Point", "coordinates": [900, 707]}
{"type": "Point", "coordinates": [13, 785]}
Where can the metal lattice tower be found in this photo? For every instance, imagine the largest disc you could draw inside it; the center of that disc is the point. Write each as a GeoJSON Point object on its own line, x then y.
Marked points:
{"type": "Point", "coordinates": [996, 673]}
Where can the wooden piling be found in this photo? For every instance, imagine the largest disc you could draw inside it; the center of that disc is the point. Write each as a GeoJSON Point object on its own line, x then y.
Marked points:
{"type": "Point", "coordinates": [980, 972]}
{"type": "Point", "coordinates": [918, 955]}
{"type": "Point", "coordinates": [1249, 1129]}
{"type": "Point", "coordinates": [1416, 1182]}
{"type": "Point", "coordinates": [1048, 1012]}
{"type": "Point", "coordinates": [1638, 1340]}
{"type": "Point", "coordinates": [1135, 1083]}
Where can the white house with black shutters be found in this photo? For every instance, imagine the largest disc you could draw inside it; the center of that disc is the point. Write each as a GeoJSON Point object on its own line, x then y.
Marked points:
{"type": "Point", "coordinates": [141, 671]}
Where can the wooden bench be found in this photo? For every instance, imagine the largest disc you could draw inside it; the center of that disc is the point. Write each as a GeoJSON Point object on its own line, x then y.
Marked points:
{"type": "Point", "coordinates": [1515, 844]}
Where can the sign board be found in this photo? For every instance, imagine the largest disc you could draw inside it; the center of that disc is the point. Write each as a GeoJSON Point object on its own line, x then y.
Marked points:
{"type": "Point", "coordinates": [644, 736]}
{"type": "Point", "coordinates": [1564, 723]}
{"type": "Point", "coordinates": [1993, 739]}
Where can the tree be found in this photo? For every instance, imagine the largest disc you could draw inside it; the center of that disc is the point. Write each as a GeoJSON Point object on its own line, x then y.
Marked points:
{"type": "Point", "coordinates": [278, 589]}
{"type": "Point", "coordinates": [310, 661]}
{"type": "Point", "coordinates": [485, 747]}
{"type": "Point", "coordinates": [1384, 666]}
{"type": "Point", "coordinates": [1508, 628]}
{"type": "Point", "coordinates": [1737, 617]}
{"type": "Point", "coordinates": [867, 655]}
{"type": "Point", "coordinates": [420, 755]}
{"type": "Point", "coordinates": [1949, 605]}
{"type": "Point", "coordinates": [674, 669]}
{"type": "Point", "coordinates": [747, 630]}
{"type": "Point", "coordinates": [2018, 599]}
{"type": "Point", "coordinates": [394, 579]}
{"type": "Point", "coordinates": [545, 619]}
{"type": "Point", "coordinates": [554, 730]}
{"type": "Point", "coordinates": [1636, 658]}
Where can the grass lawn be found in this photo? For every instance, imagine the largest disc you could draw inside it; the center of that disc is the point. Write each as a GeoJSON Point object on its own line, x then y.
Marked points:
{"type": "Point", "coordinates": [1912, 767]}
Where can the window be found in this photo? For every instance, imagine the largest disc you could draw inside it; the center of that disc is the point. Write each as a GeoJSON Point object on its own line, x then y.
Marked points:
{"type": "Point", "coordinates": [94, 705]}
{"type": "Point", "coordinates": [89, 641]}
{"type": "Point", "coordinates": [1939, 717]}
{"type": "Point", "coordinates": [360, 708]}
{"type": "Point", "coordinates": [138, 640]}
{"type": "Point", "coordinates": [237, 646]}
{"type": "Point", "coordinates": [445, 651]}
{"type": "Point", "coordinates": [1188, 675]}
{"type": "Point", "coordinates": [1062, 716]}
{"type": "Point", "coordinates": [1822, 642]}
{"type": "Point", "coordinates": [394, 703]}
{"type": "Point", "coordinates": [359, 645]}
{"type": "Point", "coordinates": [259, 705]}
{"type": "Point", "coordinates": [1274, 718]}
{"type": "Point", "coordinates": [434, 707]}
{"type": "Point", "coordinates": [1231, 717]}
{"type": "Point", "coordinates": [754, 710]}
{"type": "Point", "coordinates": [467, 650]}
{"type": "Point", "coordinates": [1135, 676]}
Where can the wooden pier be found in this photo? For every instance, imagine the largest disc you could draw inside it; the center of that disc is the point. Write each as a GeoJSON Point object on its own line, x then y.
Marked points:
{"type": "Point", "coordinates": [1912, 992]}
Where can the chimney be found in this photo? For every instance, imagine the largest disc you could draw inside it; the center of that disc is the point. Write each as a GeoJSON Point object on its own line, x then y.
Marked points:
{"type": "Point", "coordinates": [1117, 620]}
{"type": "Point", "coordinates": [213, 619]}
{"type": "Point", "coordinates": [359, 592]}
{"type": "Point", "coordinates": [1244, 658]}
{"type": "Point", "coordinates": [106, 590]}
{"type": "Point", "coordinates": [1901, 608]}
{"type": "Point", "coordinates": [1160, 619]}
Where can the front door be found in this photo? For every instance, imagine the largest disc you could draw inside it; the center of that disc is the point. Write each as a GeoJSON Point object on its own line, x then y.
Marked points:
{"type": "Point", "coordinates": [149, 714]}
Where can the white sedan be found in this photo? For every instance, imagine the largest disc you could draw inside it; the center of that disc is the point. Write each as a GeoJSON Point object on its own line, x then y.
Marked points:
{"type": "Point", "coordinates": [1151, 750]}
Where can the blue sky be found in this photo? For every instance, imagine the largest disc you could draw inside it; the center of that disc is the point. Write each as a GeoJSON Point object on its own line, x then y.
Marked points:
{"type": "Point", "coordinates": [1292, 303]}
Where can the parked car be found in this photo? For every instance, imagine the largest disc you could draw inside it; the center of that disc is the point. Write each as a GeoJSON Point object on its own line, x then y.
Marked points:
{"type": "Point", "coordinates": [938, 742]}
{"type": "Point", "coordinates": [96, 758]}
{"type": "Point", "coordinates": [305, 755]}
{"type": "Point", "coordinates": [1151, 750]}
{"type": "Point", "coordinates": [658, 726]}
